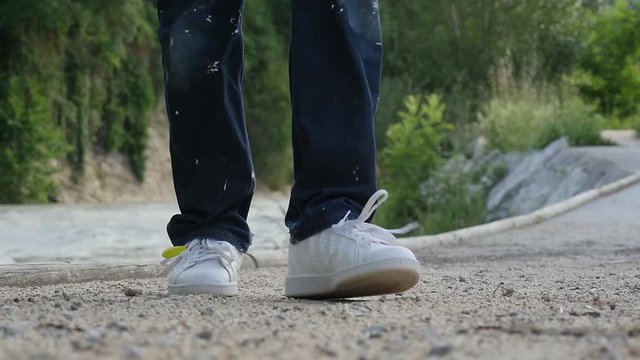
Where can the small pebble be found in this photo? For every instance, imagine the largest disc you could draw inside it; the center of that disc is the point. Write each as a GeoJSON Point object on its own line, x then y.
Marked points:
{"type": "Point", "coordinates": [130, 292]}
{"type": "Point", "coordinates": [327, 350]}
{"type": "Point", "coordinates": [376, 331]}
{"type": "Point", "coordinates": [594, 314]}
{"type": "Point", "coordinates": [205, 335]}
{"type": "Point", "coordinates": [507, 292]}
{"type": "Point", "coordinates": [208, 312]}
{"type": "Point", "coordinates": [440, 349]}
{"type": "Point", "coordinates": [117, 327]}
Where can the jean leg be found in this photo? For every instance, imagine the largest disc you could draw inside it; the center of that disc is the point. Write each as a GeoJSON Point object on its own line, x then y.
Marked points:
{"type": "Point", "coordinates": [335, 70]}
{"type": "Point", "coordinates": [202, 52]}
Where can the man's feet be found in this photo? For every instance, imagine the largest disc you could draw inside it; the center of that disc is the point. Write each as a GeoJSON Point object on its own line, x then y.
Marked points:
{"type": "Point", "coordinates": [205, 267]}
{"type": "Point", "coordinates": [352, 258]}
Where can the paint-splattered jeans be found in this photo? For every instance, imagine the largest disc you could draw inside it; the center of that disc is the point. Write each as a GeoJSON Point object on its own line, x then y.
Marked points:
{"type": "Point", "coordinates": [335, 66]}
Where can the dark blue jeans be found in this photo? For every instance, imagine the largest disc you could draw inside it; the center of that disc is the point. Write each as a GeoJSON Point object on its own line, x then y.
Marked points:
{"type": "Point", "coordinates": [335, 66]}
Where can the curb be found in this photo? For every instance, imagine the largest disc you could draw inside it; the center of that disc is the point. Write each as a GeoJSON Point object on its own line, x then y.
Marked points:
{"type": "Point", "coordinates": [22, 275]}
{"type": "Point", "coordinates": [51, 274]}
{"type": "Point", "coordinates": [516, 222]}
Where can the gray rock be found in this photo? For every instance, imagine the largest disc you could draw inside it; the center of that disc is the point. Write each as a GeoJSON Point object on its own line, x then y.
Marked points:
{"type": "Point", "coordinates": [549, 176]}
{"type": "Point", "coordinates": [521, 174]}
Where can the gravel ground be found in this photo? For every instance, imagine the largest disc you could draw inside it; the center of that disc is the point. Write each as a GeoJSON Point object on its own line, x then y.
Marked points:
{"type": "Point", "coordinates": [505, 310]}
{"type": "Point", "coordinates": [565, 289]}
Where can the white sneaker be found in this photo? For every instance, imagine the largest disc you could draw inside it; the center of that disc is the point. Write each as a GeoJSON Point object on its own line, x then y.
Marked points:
{"type": "Point", "coordinates": [352, 258]}
{"type": "Point", "coordinates": [204, 267]}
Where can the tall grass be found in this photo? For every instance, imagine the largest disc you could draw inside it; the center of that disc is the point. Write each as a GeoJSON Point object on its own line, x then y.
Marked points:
{"type": "Point", "coordinates": [524, 115]}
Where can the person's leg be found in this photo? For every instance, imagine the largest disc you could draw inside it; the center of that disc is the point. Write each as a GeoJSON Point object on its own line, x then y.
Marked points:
{"type": "Point", "coordinates": [202, 52]}
{"type": "Point", "coordinates": [336, 56]}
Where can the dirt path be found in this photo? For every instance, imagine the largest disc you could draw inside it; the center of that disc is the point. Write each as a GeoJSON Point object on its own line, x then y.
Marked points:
{"type": "Point", "coordinates": [108, 233]}
{"type": "Point", "coordinates": [565, 289]}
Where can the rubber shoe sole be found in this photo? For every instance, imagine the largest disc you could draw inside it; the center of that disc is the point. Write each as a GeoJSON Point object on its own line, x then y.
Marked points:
{"type": "Point", "coordinates": [389, 276]}
{"type": "Point", "coordinates": [190, 289]}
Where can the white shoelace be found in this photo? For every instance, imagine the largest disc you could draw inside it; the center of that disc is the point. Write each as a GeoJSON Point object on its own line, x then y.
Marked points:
{"type": "Point", "coordinates": [380, 234]}
{"type": "Point", "coordinates": [204, 250]}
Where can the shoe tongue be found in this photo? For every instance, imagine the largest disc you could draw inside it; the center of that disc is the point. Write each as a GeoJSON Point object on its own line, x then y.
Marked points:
{"type": "Point", "coordinates": [219, 247]}
{"type": "Point", "coordinates": [377, 232]}
{"type": "Point", "coordinates": [209, 243]}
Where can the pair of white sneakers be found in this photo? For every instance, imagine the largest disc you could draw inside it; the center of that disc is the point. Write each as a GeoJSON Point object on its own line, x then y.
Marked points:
{"type": "Point", "coordinates": [350, 259]}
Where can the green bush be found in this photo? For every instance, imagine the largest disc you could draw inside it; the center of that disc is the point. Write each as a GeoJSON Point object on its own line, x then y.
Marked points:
{"type": "Point", "coordinates": [393, 93]}
{"type": "Point", "coordinates": [412, 154]}
{"type": "Point", "coordinates": [609, 73]}
{"type": "Point", "coordinates": [532, 123]}
{"type": "Point", "coordinates": [441, 195]}
{"type": "Point", "coordinates": [523, 115]}
{"type": "Point", "coordinates": [29, 141]}
{"type": "Point", "coordinates": [454, 196]}
{"type": "Point", "coordinates": [576, 120]}
{"type": "Point", "coordinates": [73, 76]}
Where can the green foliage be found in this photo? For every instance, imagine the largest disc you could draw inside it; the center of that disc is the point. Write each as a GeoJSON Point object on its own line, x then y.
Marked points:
{"type": "Point", "coordinates": [92, 70]}
{"type": "Point", "coordinates": [412, 154]}
{"type": "Point", "coordinates": [29, 141]}
{"type": "Point", "coordinates": [461, 209]}
{"type": "Point", "coordinates": [440, 195]}
{"type": "Point", "coordinates": [394, 92]}
{"type": "Point", "coordinates": [609, 73]}
{"type": "Point", "coordinates": [97, 67]}
{"type": "Point", "coordinates": [621, 123]}
{"type": "Point", "coordinates": [451, 46]}
{"type": "Point", "coordinates": [526, 124]}
{"type": "Point", "coordinates": [267, 95]}
{"type": "Point", "coordinates": [526, 118]}
{"type": "Point", "coordinates": [84, 75]}
{"type": "Point", "coordinates": [455, 197]}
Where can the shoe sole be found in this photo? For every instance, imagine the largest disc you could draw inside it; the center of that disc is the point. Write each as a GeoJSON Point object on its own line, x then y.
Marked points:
{"type": "Point", "coordinates": [389, 276]}
{"type": "Point", "coordinates": [192, 289]}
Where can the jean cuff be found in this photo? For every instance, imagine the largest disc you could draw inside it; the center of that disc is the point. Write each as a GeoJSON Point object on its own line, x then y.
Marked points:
{"type": "Point", "coordinates": [218, 235]}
